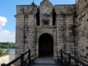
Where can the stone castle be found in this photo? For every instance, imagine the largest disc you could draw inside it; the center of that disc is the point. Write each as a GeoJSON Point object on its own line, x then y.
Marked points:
{"type": "Point", "coordinates": [46, 29]}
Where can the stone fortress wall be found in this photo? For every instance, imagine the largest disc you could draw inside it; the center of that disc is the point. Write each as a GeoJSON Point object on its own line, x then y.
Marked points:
{"type": "Point", "coordinates": [67, 24]}
{"type": "Point", "coordinates": [62, 16]}
{"type": "Point", "coordinates": [82, 29]}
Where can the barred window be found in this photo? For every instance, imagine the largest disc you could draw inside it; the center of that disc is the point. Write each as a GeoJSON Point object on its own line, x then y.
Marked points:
{"type": "Point", "coordinates": [46, 23]}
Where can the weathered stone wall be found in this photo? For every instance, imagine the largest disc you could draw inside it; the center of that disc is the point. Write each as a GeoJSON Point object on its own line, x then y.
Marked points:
{"type": "Point", "coordinates": [65, 35]}
{"type": "Point", "coordinates": [52, 32]}
{"type": "Point", "coordinates": [25, 29]}
{"type": "Point", "coordinates": [46, 9]}
{"type": "Point", "coordinates": [82, 29]}
{"type": "Point", "coordinates": [76, 1]}
{"type": "Point", "coordinates": [45, 13]}
{"type": "Point", "coordinates": [31, 34]}
{"type": "Point", "coordinates": [63, 32]}
{"type": "Point", "coordinates": [81, 5]}
{"type": "Point", "coordinates": [65, 27]}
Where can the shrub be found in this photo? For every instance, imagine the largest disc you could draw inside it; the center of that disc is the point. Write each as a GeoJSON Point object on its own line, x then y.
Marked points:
{"type": "Point", "coordinates": [2, 52]}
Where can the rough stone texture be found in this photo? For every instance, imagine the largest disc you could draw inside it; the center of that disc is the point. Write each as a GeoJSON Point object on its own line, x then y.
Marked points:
{"type": "Point", "coordinates": [67, 24]}
{"type": "Point", "coordinates": [82, 29]}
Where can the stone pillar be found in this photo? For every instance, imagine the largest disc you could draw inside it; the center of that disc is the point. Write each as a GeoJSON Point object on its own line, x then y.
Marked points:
{"type": "Point", "coordinates": [19, 35]}
{"type": "Point", "coordinates": [31, 34]}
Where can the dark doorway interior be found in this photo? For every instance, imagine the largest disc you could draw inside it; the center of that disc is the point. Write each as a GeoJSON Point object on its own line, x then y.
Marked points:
{"type": "Point", "coordinates": [45, 45]}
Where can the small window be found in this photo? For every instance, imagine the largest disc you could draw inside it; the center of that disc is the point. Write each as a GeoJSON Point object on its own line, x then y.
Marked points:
{"type": "Point", "coordinates": [46, 23]}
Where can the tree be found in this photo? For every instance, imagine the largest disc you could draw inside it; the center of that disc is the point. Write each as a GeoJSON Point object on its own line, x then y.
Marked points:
{"type": "Point", "coordinates": [7, 45]}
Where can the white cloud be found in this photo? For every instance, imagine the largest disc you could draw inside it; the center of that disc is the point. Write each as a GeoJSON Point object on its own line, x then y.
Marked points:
{"type": "Point", "coordinates": [5, 35]}
{"type": "Point", "coordinates": [3, 21]}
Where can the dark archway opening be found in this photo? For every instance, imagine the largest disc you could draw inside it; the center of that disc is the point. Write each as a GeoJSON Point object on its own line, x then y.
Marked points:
{"type": "Point", "coordinates": [45, 45]}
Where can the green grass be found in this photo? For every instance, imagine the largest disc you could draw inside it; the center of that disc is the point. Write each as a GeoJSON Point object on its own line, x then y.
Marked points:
{"type": "Point", "coordinates": [2, 52]}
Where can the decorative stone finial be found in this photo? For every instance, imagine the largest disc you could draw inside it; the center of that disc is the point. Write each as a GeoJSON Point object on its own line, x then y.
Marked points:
{"type": "Point", "coordinates": [45, 2]}
{"type": "Point", "coordinates": [33, 3]}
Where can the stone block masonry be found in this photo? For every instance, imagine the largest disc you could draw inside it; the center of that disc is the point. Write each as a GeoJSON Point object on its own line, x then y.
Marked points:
{"type": "Point", "coordinates": [66, 24]}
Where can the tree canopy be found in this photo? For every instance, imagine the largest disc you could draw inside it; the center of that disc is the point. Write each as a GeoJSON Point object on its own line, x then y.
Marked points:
{"type": "Point", "coordinates": [7, 45]}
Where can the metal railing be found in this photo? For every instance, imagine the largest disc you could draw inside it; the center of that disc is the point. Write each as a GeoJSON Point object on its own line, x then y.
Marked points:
{"type": "Point", "coordinates": [67, 60]}
{"type": "Point", "coordinates": [23, 60]}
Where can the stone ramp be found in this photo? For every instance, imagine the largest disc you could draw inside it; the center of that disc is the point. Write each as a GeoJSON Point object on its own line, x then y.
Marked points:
{"type": "Point", "coordinates": [45, 62]}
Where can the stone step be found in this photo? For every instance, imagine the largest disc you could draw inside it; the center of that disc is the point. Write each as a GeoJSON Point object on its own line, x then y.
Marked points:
{"type": "Point", "coordinates": [45, 62]}
{"type": "Point", "coordinates": [44, 65]}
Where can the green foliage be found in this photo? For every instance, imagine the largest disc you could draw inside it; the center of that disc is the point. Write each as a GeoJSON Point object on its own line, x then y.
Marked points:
{"type": "Point", "coordinates": [7, 45]}
{"type": "Point", "coordinates": [2, 52]}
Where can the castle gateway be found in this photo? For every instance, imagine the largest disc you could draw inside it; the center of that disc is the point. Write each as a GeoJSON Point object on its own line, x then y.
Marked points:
{"type": "Point", "coordinates": [46, 29]}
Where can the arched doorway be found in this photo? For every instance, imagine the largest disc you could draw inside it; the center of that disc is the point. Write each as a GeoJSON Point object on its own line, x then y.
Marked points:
{"type": "Point", "coordinates": [45, 45]}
